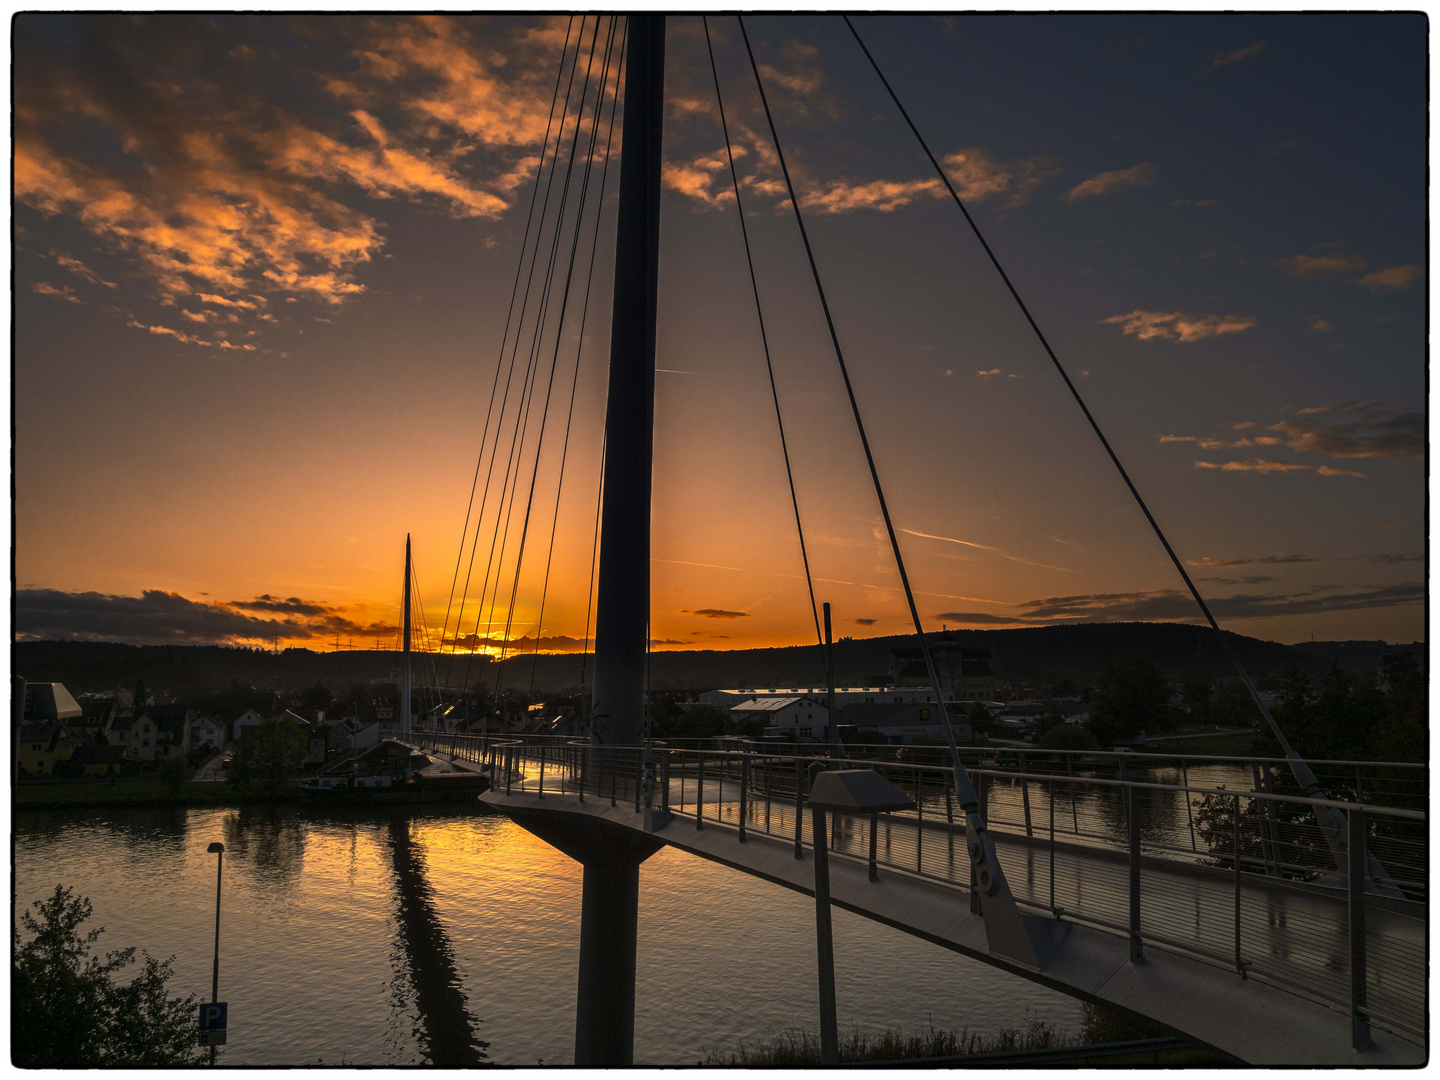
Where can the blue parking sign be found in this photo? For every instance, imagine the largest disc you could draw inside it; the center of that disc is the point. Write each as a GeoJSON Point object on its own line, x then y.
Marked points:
{"type": "Point", "coordinates": [213, 1015]}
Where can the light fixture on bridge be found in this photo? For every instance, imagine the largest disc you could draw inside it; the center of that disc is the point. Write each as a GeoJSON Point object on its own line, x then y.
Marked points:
{"type": "Point", "coordinates": [857, 791]}
{"type": "Point", "coordinates": [844, 791]}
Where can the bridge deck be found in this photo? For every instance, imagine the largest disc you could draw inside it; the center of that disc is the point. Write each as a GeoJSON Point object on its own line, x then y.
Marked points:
{"type": "Point", "coordinates": [1291, 1005]}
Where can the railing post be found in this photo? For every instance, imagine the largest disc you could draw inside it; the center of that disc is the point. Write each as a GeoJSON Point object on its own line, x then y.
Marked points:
{"type": "Point", "coordinates": [1025, 795]}
{"type": "Point", "coordinates": [1239, 963]}
{"type": "Point", "coordinates": [542, 770]}
{"type": "Point", "coordinates": [614, 774]}
{"type": "Point", "coordinates": [1359, 1014]}
{"type": "Point", "coordinates": [765, 779]}
{"type": "Point", "coordinates": [799, 810]}
{"type": "Point", "coordinates": [1189, 814]}
{"type": "Point", "coordinates": [919, 819]}
{"type": "Point", "coordinates": [509, 772]}
{"type": "Point", "coordinates": [699, 789]}
{"type": "Point", "coordinates": [744, 791]}
{"type": "Point", "coordinates": [974, 883]}
{"type": "Point", "coordinates": [1052, 847]}
{"type": "Point", "coordinates": [874, 868]}
{"type": "Point", "coordinates": [665, 780]}
{"type": "Point", "coordinates": [1132, 814]}
{"type": "Point", "coordinates": [639, 777]}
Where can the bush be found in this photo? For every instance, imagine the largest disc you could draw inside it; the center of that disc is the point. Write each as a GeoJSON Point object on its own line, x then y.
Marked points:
{"type": "Point", "coordinates": [68, 1012]}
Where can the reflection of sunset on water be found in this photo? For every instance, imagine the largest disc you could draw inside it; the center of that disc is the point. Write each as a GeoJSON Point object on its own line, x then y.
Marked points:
{"type": "Point", "coordinates": [294, 944]}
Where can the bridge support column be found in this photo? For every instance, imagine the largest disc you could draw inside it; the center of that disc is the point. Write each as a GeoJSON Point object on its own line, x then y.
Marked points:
{"type": "Point", "coordinates": [609, 919]}
{"type": "Point", "coordinates": [605, 999]}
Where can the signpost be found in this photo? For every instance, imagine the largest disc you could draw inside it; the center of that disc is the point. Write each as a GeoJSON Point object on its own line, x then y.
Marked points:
{"type": "Point", "coordinates": [213, 1018]}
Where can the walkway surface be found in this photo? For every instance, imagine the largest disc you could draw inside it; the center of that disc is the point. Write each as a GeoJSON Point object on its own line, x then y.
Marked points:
{"type": "Point", "coordinates": [1286, 1001]}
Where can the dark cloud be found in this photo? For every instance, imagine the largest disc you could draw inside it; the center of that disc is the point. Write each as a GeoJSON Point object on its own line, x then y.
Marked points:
{"type": "Point", "coordinates": [717, 613]}
{"type": "Point", "coordinates": [1265, 560]}
{"type": "Point", "coordinates": [1170, 604]}
{"type": "Point", "coordinates": [982, 618]}
{"type": "Point", "coordinates": [1392, 560]}
{"type": "Point", "coordinates": [291, 606]}
{"type": "Point", "coordinates": [867, 622]}
{"type": "Point", "coordinates": [668, 641]}
{"type": "Point", "coordinates": [157, 617]}
{"type": "Point", "coordinates": [1371, 431]}
{"type": "Point", "coordinates": [1254, 579]}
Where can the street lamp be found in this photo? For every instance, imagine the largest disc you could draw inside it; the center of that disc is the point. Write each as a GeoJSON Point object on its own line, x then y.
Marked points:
{"type": "Point", "coordinates": [218, 850]}
{"type": "Point", "coordinates": [843, 791]}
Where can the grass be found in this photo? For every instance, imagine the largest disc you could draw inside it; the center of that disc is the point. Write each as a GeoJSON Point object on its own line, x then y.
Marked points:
{"type": "Point", "coordinates": [1102, 1024]}
{"type": "Point", "coordinates": [801, 1046]}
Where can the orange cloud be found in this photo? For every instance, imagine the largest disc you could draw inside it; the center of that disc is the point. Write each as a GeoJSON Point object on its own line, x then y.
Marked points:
{"type": "Point", "coordinates": [1254, 465]}
{"type": "Point", "coordinates": [250, 197]}
{"type": "Point", "coordinates": [178, 335]}
{"type": "Point", "coordinates": [1313, 266]}
{"type": "Point", "coordinates": [1177, 326]}
{"type": "Point", "coordinates": [62, 292]}
{"type": "Point", "coordinates": [1391, 278]}
{"type": "Point", "coordinates": [1107, 183]}
{"type": "Point", "coordinates": [977, 175]}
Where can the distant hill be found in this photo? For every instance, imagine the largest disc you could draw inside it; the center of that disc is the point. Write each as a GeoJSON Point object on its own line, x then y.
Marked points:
{"type": "Point", "coordinates": [1036, 654]}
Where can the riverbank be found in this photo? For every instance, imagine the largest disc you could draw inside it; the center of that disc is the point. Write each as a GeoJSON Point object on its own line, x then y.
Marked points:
{"type": "Point", "coordinates": [138, 793]}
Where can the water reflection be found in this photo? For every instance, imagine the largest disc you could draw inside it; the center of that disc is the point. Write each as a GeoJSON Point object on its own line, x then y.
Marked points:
{"type": "Point", "coordinates": [446, 1027]}
{"type": "Point", "coordinates": [267, 843]}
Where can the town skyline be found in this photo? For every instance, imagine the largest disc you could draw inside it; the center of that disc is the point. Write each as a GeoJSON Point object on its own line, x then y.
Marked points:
{"type": "Point", "coordinates": [262, 266]}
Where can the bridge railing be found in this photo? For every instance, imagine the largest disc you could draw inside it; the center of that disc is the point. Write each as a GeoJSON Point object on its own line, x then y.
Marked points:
{"type": "Point", "coordinates": [1231, 874]}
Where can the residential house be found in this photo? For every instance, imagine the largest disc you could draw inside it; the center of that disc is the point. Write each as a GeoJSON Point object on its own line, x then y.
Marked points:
{"type": "Point", "coordinates": [39, 747]}
{"type": "Point", "coordinates": [172, 730]}
{"type": "Point", "coordinates": [799, 719]}
{"type": "Point", "coordinates": [98, 759]}
{"type": "Point", "coordinates": [135, 732]}
{"type": "Point", "coordinates": [245, 724]}
{"type": "Point", "coordinates": [99, 714]}
{"type": "Point", "coordinates": [207, 731]}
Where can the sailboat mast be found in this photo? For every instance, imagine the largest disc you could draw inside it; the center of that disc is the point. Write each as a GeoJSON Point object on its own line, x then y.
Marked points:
{"type": "Point", "coordinates": [405, 662]}
{"type": "Point", "coordinates": [622, 604]}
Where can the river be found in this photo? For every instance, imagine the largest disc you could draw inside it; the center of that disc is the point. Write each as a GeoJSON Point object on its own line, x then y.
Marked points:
{"type": "Point", "coordinates": [371, 938]}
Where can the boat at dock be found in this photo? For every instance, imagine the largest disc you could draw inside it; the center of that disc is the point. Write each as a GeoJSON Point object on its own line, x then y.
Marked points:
{"type": "Point", "coordinates": [392, 772]}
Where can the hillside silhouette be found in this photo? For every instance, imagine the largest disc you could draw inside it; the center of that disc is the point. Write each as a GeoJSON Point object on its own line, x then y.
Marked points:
{"type": "Point", "coordinates": [1037, 654]}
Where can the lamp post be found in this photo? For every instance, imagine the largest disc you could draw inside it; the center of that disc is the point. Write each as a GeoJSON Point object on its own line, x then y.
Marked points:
{"type": "Point", "coordinates": [844, 791]}
{"type": "Point", "coordinates": [218, 850]}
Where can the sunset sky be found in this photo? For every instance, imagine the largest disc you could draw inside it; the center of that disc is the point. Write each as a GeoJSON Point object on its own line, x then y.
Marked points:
{"type": "Point", "coordinates": [262, 269]}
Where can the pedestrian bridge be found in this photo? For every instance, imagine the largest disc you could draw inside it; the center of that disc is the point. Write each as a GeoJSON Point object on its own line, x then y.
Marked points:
{"type": "Point", "coordinates": [1188, 891]}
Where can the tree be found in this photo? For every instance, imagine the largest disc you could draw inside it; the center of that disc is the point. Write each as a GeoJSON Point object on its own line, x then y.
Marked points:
{"type": "Point", "coordinates": [1401, 734]}
{"type": "Point", "coordinates": [982, 724]}
{"type": "Point", "coordinates": [269, 756]}
{"type": "Point", "coordinates": [1198, 693]}
{"type": "Point", "coordinates": [317, 697]}
{"type": "Point", "coordinates": [68, 1012]}
{"type": "Point", "coordinates": [173, 776]}
{"type": "Point", "coordinates": [1131, 696]}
